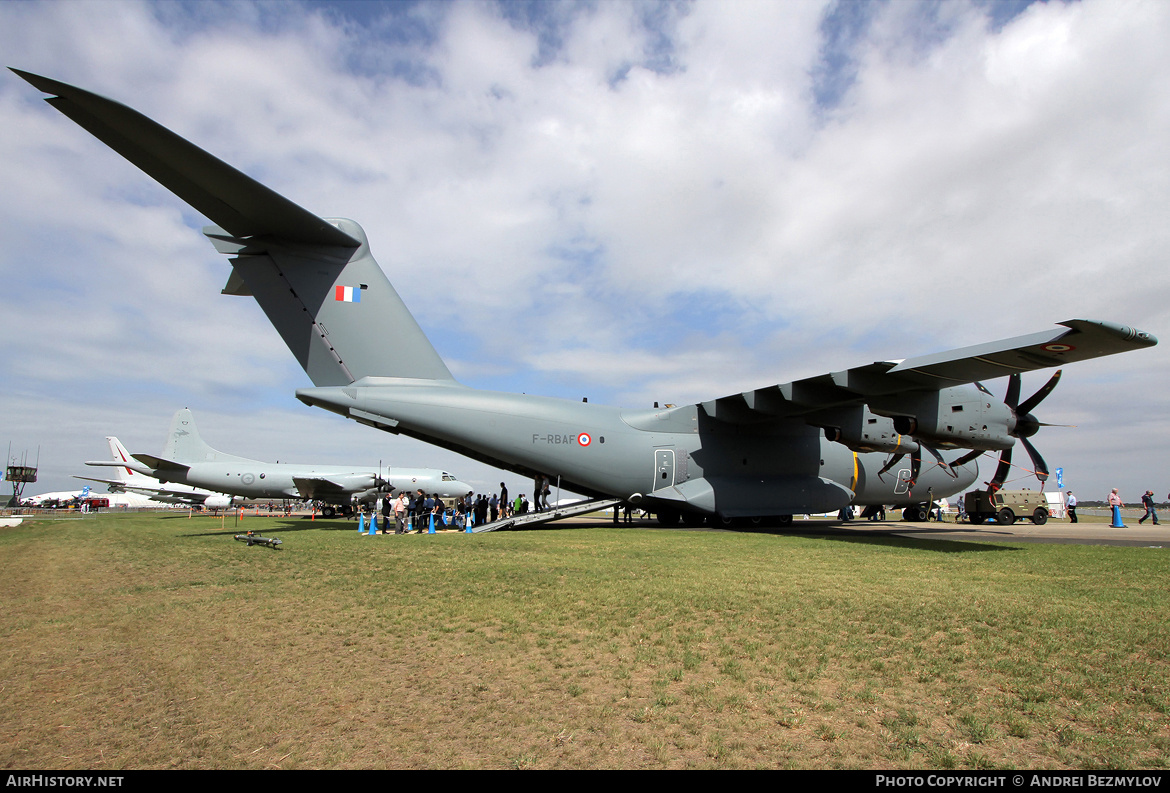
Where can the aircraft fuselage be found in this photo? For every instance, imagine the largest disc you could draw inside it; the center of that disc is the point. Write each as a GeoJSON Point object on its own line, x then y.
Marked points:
{"type": "Point", "coordinates": [671, 458]}
{"type": "Point", "coordinates": [279, 480]}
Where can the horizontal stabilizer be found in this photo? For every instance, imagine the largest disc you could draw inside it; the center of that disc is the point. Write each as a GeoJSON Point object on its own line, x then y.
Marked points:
{"type": "Point", "coordinates": [231, 199]}
{"type": "Point", "coordinates": [160, 466]}
{"type": "Point", "coordinates": [133, 466]}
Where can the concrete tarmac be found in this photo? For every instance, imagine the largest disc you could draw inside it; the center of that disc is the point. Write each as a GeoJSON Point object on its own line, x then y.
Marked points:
{"type": "Point", "coordinates": [1054, 531]}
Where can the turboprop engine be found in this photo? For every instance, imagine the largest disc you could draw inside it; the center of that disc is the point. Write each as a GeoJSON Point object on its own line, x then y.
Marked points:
{"type": "Point", "coordinates": [861, 430]}
{"type": "Point", "coordinates": [963, 417]}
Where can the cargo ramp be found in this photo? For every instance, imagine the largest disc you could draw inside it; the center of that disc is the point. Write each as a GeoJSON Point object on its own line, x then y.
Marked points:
{"type": "Point", "coordinates": [556, 513]}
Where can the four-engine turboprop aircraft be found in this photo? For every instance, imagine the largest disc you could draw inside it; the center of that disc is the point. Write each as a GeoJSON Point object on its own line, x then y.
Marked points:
{"type": "Point", "coordinates": [883, 433]}
{"type": "Point", "coordinates": [187, 459]}
{"type": "Point", "coordinates": [128, 479]}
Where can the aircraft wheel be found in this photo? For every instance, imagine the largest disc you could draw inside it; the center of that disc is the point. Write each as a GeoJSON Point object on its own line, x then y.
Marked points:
{"type": "Point", "coordinates": [914, 514]}
{"type": "Point", "coordinates": [1040, 516]}
{"type": "Point", "coordinates": [783, 520]}
{"type": "Point", "coordinates": [756, 523]}
{"type": "Point", "coordinates": [1005, 517]}
{"type": "Point", "coordinates": [328, 512]}
{"type": "Point", "coordinates": [693, 520]}
{"type": "Point", "coordinates": [347, 510]}
{"type": "Point", "coordinates": [668, 517]}
{"type": "Point", "coordinates": [725, 522]}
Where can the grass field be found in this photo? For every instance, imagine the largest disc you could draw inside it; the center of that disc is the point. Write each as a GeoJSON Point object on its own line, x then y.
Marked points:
{"type": "Point", "coordinates": [158, 642]}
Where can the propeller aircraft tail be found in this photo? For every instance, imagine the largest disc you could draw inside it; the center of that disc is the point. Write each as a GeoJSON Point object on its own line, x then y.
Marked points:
{"type": "Point", "coordinates": [313, 277]}
{"type": "Point", "coordinates": [185, 446]}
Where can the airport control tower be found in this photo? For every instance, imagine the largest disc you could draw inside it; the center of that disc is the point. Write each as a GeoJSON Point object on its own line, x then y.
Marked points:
{"type": "Point", "coordinates": [19, 476]}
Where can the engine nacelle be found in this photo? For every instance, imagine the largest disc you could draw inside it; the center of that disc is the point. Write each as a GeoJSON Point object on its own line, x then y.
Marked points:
{"type": "Point", "coordinates": [963, 417]}
{"type": "Point", "coordinates": [861, 430]}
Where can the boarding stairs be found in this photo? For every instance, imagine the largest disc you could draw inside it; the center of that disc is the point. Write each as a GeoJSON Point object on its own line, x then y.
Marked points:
{"type": "Point", "coordinates": [549, 515]}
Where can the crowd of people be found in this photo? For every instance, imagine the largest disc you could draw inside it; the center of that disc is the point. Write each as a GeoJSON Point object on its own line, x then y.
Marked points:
{"type": "Point", "coordinates": [416, 512]}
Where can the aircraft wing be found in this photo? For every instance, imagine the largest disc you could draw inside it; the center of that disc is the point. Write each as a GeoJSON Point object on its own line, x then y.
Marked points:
{"type": "Point", "coordinates": [312, 487]}
{"type": "Point", "coordinates": [163, 494]}
{"type": "Point", "coordinates": [232, 200]}
{"type": "Point", "coordinates": [1076, 340]}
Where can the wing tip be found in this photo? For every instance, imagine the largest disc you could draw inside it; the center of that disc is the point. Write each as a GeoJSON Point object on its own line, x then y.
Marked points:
{"type": "Point", "coordinates": [1124, 332]}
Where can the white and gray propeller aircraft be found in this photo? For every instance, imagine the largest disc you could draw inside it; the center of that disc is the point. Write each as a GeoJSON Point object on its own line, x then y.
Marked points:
{"type": "Point", "coordinates": [898, 432]}
{"type": "Point", "coordinates": [188, 460]}
{"type": "Point", "coordinates": [128, 479]}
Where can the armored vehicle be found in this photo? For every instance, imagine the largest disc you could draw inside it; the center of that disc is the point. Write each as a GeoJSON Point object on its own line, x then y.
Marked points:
{"type": "Point", "coordinates": [1006, 506]}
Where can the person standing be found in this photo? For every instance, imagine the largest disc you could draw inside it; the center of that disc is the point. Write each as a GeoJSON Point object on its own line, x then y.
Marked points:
{"type": "Point", "coordinates": [1116, 505]}
{"type": "Point", "coordinates": [1071, 502]}
{"type": "Point", "coordinates": [1151, 511]}
{"type": "Point", "coordinates": [386, 510]}
{"type": "Point", "coordinates": [400, 509]}
{"type": "Point", "coordinates": [504, 503]}
{"type": "Point", "coordinates": [418, 509]}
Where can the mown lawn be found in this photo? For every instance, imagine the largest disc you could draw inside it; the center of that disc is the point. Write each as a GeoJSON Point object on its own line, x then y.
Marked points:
{"type": "Point", "coordinates": [158, 641]}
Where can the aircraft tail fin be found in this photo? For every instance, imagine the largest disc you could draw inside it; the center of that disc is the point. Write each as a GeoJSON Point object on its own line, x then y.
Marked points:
{"type": "Point", "coordinates": [314, 278]}
{"type": "Point", "coordinates": [185, 446]}
{"type": "Point", "coordinates": [125, 474]}
{"type": "Point", "coordinates": [334, 307]}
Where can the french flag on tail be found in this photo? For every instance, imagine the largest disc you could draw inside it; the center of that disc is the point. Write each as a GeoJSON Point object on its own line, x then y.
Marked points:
{"type": "Point", "coordinates": [348, 294]}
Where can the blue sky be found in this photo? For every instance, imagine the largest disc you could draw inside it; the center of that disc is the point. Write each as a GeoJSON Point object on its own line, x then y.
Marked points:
{"type": "Point", "coordinates": [633, 202]}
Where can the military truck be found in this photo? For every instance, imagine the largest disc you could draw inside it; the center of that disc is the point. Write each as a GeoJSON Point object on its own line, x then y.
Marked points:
{"type": "Point", "coordinates": [1006, 506]}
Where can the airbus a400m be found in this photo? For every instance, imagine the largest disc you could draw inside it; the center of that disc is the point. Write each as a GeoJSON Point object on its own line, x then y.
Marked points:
{"type": "Point", "coordinates": [891, 432]}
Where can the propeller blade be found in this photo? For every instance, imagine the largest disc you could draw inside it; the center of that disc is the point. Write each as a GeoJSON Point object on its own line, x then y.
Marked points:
{"type": "Point", "coordinates": [1037, 460]}
{"type": "Point", "coordinates": [1012, 397]}
{"type": "Point", "coordinates": [1034, 400]}
{"type": "Point", "coordinates": [1005, 467]}
{"type": "Point", "coordinates": [893, 461]}
{"type": "Point", "coordinates": [966, 458]}
{"type": "Point", "coordinates": [942, 463]}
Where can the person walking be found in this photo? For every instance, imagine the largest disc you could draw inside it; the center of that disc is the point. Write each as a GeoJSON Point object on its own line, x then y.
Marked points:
{"type": "Point", "coordinates": [1151, 511]}
{"type": "Point", "coordinates": [1071, 502]}
{"type": "Point", "coordinates": [1116, 505]}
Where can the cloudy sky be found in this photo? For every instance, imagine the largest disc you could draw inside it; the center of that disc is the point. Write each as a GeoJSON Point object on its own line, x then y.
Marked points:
{"type": "Point", "coordinates": [626, 201]}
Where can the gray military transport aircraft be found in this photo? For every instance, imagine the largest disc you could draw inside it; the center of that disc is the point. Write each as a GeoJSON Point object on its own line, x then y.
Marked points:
{"type": "Point", "coordinates": [129, 478]}
{"type": "Point", "coordinates": [188, 460]}
{"type": "Point", "coordinates": [884, 433]}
